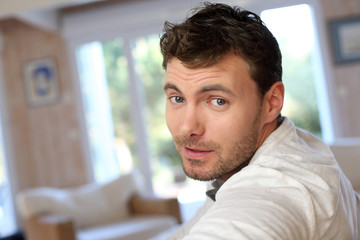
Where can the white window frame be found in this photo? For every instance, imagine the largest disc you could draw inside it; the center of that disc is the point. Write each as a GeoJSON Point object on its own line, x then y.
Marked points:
{"type": "Point", "coordinates": [131, 20]}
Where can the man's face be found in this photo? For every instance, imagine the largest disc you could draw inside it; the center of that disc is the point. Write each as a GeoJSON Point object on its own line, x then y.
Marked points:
{"type": "Point", "coordinates": [214, 115]}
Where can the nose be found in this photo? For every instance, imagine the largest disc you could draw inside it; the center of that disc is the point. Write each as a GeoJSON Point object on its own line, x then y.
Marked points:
{"type": "Point", "coordinates": [192, 122]}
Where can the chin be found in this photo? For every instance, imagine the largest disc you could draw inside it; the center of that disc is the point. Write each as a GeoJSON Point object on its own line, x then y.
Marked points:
{"type": "Point", "coordinates": [197, 169]}
{"type": "Point", "coordinates": [198, 174]}
{"type": "Point", "coordinates": [199, 177]}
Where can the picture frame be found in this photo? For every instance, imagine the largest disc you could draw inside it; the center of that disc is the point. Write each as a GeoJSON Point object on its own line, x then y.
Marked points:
{"type": "Point", "coordinates": [41, 82]}
{"type": "Point", "coordinates": [345, 34]}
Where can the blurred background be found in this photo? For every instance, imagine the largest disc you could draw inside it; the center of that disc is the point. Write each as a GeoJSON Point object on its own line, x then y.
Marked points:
{"type": "Point", "coordinates": [108, 114]}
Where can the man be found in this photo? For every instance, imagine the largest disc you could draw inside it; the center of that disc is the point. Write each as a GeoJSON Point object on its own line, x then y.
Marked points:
{"type": "Point", "coordinates": [224, 98]}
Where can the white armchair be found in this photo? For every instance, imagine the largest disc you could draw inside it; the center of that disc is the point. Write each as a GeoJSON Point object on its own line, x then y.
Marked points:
{"type": "Point", "coordinates": [111, 211]}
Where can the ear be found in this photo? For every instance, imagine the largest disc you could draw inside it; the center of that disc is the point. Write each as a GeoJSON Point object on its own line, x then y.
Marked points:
{"type": "Point", "coordinates": [273, 101]}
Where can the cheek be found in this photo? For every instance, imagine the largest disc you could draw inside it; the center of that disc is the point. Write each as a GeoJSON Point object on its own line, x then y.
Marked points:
{"type": "Point", "coordinates": [222, 128]}
{"type": "Point", "coordinates": [230, 127]}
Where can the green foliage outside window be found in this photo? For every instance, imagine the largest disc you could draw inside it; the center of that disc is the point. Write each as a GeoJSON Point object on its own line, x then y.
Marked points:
{"type": "Point", "coordinates": [148, 66]}
{"type": "Point", "coordinates": [118, 80]}
{"type": "Point", "coordinates": [300, 95]}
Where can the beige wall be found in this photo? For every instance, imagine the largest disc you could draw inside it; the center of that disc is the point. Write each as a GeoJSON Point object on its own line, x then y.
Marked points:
{"type": "Point", "coordinates": [346, 77]}
{"type": "Point", "coordinates": [45, 142]}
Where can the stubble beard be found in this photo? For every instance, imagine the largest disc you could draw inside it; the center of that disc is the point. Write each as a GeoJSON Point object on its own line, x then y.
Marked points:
{"type": "Point", "coordinates": [238, 156]}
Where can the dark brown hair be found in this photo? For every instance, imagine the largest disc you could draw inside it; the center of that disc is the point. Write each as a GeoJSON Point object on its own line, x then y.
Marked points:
{"type": "Point", "coordinates": [215, 30]}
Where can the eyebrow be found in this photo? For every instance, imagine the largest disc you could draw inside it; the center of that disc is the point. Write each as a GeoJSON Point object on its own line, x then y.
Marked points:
{"type": "Point", "coordinates": [171, 86]}
{"type": "Point", "coordinates": [214, 87]}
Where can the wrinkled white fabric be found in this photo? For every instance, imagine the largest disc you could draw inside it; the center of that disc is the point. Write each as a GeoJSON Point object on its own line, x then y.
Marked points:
{"type": "Point", "coordinates": [292, 189]}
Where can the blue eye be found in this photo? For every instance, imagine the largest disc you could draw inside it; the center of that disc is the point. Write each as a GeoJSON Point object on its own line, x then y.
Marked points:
{"type": "Point", "coordinates": [176, 99]}
{"type": "Point", "coordinates": [218, 101]}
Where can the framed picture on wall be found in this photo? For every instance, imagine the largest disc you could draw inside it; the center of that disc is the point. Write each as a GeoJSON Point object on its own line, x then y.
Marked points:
{"type": "Point", "coordinates": [41, 82]}
{"type": "Point", "coordinates": [345, 35]}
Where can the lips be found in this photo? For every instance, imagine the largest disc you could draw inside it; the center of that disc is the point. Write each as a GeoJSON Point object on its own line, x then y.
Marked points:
{"type": "Point", "coordinates": [194, 153]}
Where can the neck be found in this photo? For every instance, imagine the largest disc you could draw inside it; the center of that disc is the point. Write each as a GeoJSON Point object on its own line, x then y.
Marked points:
{"type": "Point", "coordinates": [268, 129]}
{"type": "Point", "coordinates": [226, 176]}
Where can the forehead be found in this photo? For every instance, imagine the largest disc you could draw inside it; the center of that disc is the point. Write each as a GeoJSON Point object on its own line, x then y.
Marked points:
{"type": "Point", "coordinates": [231, 71]}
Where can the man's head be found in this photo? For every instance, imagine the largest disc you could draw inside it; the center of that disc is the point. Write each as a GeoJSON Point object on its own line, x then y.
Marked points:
{"type": "Point", "coordinates": [216, 30]}
{"type": "Point", "coordinates": [224, 90]}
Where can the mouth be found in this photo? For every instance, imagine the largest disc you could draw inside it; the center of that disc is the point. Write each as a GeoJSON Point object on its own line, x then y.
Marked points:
{"type": "Point", "coordinates": [194, 153]}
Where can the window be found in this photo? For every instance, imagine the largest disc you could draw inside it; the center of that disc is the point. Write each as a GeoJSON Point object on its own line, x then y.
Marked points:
{"type": "Point", "coordinates": [293, 27]}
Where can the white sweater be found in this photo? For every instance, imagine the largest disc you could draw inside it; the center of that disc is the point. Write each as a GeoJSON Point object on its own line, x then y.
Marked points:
{"type": "Point", "coordinates": [292, 189]}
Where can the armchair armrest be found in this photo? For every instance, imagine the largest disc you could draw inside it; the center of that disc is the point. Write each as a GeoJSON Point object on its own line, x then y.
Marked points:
{"type": "Point", "coordinates": [49, 227]}
{"type": "Point", "coordinates": [155, 206]}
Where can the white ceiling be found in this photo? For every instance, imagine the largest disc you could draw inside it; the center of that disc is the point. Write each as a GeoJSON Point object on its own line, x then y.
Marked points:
{"type": "Point", "coordinates": [42, 13]}
{"type": "Point", "coordinates": [45, 14]}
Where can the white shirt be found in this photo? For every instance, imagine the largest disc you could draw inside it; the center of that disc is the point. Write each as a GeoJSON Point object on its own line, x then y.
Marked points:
{"type": "Point", "coordinates": [291, 189]}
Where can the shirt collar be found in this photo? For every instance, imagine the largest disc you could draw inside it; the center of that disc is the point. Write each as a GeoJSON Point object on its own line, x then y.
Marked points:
{"type": "Point", "coordinates": [212, 192]}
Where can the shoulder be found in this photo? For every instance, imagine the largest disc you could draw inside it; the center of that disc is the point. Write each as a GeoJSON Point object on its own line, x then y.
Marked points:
{"type": "Point", "coordinates": [290, 186]}
{"type": "Point", "coordinates": [253, 210]}
{"type": "Point", "coordinates": [297, 154]}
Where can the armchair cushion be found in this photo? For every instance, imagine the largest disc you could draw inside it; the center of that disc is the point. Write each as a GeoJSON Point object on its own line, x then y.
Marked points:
{"type": "Point", "coordinates": [83, 203]}
{"type": "Point", "coordinates": [134, 228]}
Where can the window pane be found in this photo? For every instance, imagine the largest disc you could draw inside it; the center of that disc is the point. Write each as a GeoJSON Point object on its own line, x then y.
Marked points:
{"type": "Point", "coordinates": [294, 30]}
{"type": "Point", "coordinates": [164, 158]}
{"type": "Point", "coordinates": [97, 110]}
{"type": "Point", "coordinates": [119, 95]}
